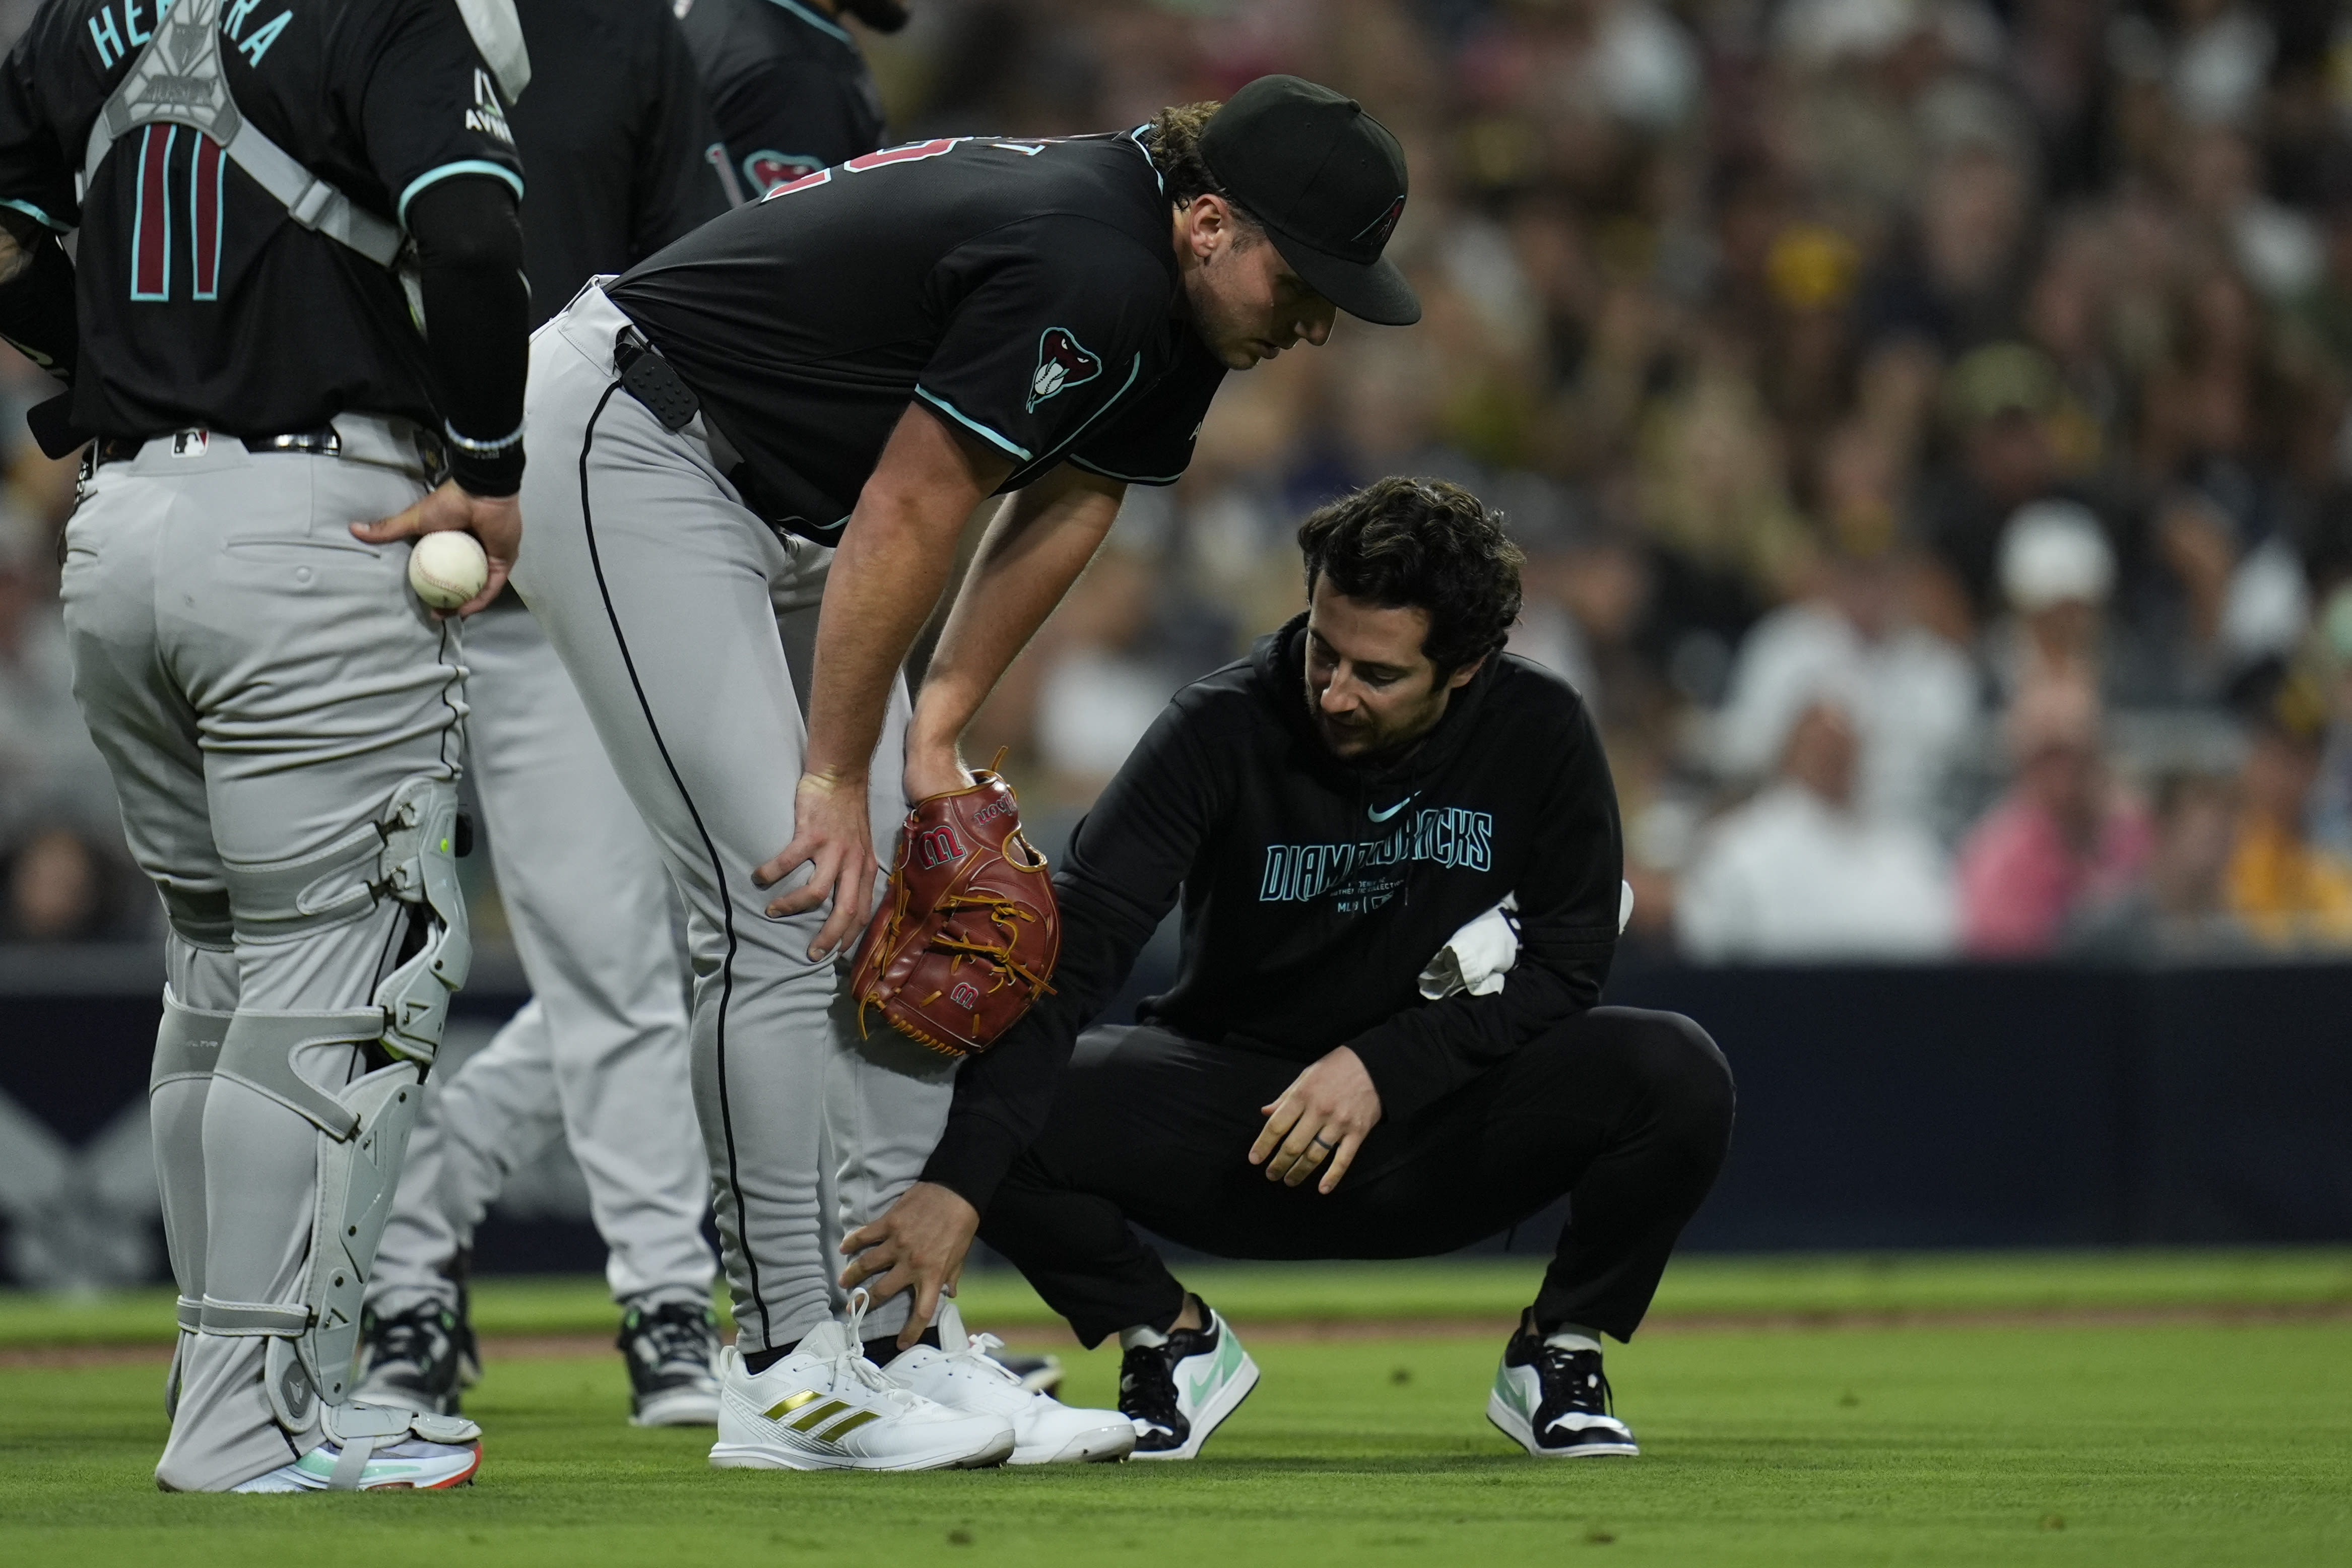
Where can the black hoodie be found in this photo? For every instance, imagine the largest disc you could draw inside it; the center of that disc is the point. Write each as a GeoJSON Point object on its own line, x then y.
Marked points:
{"type": "Point", "coordinates": [1316, 890]}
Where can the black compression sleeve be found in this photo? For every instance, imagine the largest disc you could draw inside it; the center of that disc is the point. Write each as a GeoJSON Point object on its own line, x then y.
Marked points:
{"type": "Point", "coordinates": [477, 324]}
{"type": "Point", "coordinates": [36, 308]}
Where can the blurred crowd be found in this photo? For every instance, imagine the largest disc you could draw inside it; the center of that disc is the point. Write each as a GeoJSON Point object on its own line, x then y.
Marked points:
{"type": "Point", "coordinates": [1929, 421]}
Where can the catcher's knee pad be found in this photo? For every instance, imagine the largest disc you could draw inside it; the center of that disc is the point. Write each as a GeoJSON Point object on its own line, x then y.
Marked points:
{"type": "Point", "coordinates": [187, 1046]}
{"type": "Point", "coordinates": [409, 856]}
{"type": "Point", "coordinates": [420, 864]}
{"type": "Point", "coordinates": [363, 1138]}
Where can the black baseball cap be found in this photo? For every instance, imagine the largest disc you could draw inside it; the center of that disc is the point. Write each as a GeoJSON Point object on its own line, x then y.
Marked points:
{"type": "Point", "coordinates": [1327, 180]}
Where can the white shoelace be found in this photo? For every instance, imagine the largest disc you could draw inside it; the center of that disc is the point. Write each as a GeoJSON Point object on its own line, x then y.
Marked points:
{"type": "Point", "coordinates": [977, 1350]}
{"type": "Point", "coordinates": [849, 1362]}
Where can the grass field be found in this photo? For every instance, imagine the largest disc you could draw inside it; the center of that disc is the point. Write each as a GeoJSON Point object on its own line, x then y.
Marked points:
{"type": "Point", "coordinates": [2141, 1409]}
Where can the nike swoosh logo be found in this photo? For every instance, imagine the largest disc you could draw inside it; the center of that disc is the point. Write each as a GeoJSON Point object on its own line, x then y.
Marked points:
{"type": "Point", "coordinates": [1228, 1362]}
{"type": "Point", "coordinates": [1385, 816]}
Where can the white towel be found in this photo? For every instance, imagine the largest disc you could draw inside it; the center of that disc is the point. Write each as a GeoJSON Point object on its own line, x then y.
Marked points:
{"type": "Point", "coordinates": [1475, 958]}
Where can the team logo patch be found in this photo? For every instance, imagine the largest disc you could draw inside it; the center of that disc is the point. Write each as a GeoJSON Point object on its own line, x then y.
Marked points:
{"type": "Point", "coordinates": [767, 169]}
{"type": "Point", "coordinates": [1063, 362]}
{"type": "Point", "coordinates": [1381, 227]}
{"type": "Point", "coordinates": [488, 116]}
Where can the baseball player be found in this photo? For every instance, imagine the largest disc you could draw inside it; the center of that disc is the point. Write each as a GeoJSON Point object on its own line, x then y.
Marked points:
{"type": "Point", "coordinates": [1398, 856]}
{"type": "Point", "coordinates": [788, 87]}
{"type": "Point", "coordinates": [272, 201]}
{"type": "Point", "coordinates": [860, 361]}
{"type": "Point", "coordinates": [617, 139]}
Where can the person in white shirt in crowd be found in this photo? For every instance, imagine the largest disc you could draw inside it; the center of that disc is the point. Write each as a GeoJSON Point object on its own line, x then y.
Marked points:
{"type": "Point", "coordinates": [2057, 574]}
{"type": "Point", "coordinates": [1911, 697]}
{"type": "Point", "coordinates": [1803, 873]}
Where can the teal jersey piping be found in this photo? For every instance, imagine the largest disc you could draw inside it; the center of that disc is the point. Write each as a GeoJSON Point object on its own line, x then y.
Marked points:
{"type": "Point", "coordinates": [831, 29]}
{"type": "Point", "coordinates": [463, 166]}
{"type": "Point", "coordinates": [961, 418]}
{"type": "Point", "coordinates": [30, 210]}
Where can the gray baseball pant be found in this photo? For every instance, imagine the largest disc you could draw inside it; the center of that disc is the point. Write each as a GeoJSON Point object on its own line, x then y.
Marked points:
{"type": "Point", "coordinates": [260, 683]}
{"type": "Point", "coordinates": [687, 624]}
{"type": "Point", "coordinates": [598, 1056]}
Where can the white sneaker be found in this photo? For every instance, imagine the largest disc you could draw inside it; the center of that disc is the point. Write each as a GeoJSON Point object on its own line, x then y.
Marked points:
{"type": "Point", "coordinates": [380, 1448]}
{"type": "Point", "coordinates": [415, 1465]}
{"type": "Point", "coordinates": [1045, 1430]}
{"type": "Point", "coordinates": [827, 1408]}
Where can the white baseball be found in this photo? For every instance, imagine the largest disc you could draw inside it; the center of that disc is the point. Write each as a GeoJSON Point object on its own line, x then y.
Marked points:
{"type": "Point", "coordinates": [449, 568]}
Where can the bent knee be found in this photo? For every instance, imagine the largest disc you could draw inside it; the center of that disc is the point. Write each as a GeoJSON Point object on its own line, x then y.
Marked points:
{"type": "Point", "coordinates": [1680, 1062]}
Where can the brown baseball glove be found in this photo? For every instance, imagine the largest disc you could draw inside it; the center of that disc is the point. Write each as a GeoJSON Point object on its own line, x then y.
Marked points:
{"type": "Point", "coordinates": [968, 931]}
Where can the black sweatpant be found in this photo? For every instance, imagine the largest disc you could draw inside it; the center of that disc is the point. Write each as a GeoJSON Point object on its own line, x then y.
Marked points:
{"type": "Point", "coordinates": [1627, 1111]}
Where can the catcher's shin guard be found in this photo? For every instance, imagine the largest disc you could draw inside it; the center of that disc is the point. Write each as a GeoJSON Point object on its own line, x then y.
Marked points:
{"type": "Point", "coordinates": [363, 1134]}
{"type": "Point", "coordinates": [363, 1128]}
{"type": "Point", "coordinates": [187, 1046]}
{"type": "Point", "coordinates": [968, 933]}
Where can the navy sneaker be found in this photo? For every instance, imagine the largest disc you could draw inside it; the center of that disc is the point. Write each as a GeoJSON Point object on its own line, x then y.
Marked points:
{"type": "Point", "coordinates": [1553, 1401]}
{"type": "Point", "coordinates": [1179, 1393]}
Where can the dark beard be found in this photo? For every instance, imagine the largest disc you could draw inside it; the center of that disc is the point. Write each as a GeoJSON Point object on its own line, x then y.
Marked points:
{"type": "Point", "coordinates": [882, 15]}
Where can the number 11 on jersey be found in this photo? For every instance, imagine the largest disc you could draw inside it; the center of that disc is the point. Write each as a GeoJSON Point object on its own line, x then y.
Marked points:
{"type": "Point", "coordinates": [189, 205]}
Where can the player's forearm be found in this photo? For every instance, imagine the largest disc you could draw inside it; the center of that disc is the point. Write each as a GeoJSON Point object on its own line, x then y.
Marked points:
{"type": "Point", "coordinates": [894, 560]}
{"type": "Point", "coordinates": [1033, 549]}
{"type": "Point", "coordinates": [477, 322]}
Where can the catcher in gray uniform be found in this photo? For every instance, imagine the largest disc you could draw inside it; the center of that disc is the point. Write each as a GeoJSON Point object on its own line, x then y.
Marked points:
{"type": "Point", "coordinates": [280, 715]}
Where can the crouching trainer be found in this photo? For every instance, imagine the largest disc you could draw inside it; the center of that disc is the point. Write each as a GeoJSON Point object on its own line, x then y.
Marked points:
{"type": "Point", "coordinates": [1398, 856]}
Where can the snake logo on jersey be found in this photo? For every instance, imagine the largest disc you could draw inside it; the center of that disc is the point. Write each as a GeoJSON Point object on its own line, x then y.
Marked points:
{"type": "Point", "coordinates": [767, 169]}
{"type": "Point", "coordinates": [1063, 362]}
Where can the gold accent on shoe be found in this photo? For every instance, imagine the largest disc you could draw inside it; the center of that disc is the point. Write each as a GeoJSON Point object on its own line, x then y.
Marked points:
{"type": "Point", "coordinates": [790, 1402]}
{"type": "Point", "coordinates": [839, 1430]}
{"type": "Point", "coordinates": [820, 1416]}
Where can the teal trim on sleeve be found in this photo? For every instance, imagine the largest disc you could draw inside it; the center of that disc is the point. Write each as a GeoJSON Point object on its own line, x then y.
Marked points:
{"type": "Point", "coordinates": [819, 22]}
{"type": "Point", "coordinates": [974, 426]}
{"type": "Point", "coordinates": [463, 166]}
{"type": "Point", "coordinates": [30, 210]}
{"type": "Point", "coordinates": [1077, 462]}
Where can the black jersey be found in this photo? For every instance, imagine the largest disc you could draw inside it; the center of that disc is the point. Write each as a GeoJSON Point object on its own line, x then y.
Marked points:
{"type": "Point", "coordinates": [1024, 291]}
{"type": "Point", "coordinates": [614, 133]}
{"type": "Point", "coordinates": [789, 88]}
{"type": "Point", "coordinates": [1315, 889]}
{"type": "Point", "coordinates": [201, 302]}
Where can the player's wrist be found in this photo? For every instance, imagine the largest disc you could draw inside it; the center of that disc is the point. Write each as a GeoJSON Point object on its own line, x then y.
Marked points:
{"type": "Point", "coordinates": [493, 481]}
{"type": "Point", "coordinates": [832, 780]}
{"type": "Point", "coordinates": [489, 472]}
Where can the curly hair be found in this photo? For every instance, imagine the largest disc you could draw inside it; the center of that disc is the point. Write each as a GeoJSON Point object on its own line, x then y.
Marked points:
{"type": "Point", "coordinates": [1176, 153]}
{"type": "Point", "coordinates": [1426, 544]}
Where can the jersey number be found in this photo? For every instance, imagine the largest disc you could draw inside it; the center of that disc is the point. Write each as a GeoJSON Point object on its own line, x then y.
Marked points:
{"type": "Point", "coordinates": [168, 208]}
{"type": "Point", "coordinates": [913, 152]}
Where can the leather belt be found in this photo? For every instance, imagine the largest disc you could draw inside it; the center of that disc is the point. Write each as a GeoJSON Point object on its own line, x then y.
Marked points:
{"type": "Point", "coordinates": [322, 443]}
